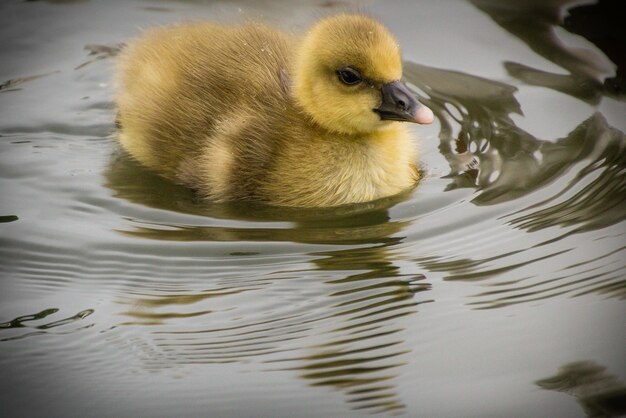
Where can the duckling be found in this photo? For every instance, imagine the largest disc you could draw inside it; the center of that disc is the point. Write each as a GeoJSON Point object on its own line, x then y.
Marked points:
{"type": "Point", "coordinates": [251, 113]}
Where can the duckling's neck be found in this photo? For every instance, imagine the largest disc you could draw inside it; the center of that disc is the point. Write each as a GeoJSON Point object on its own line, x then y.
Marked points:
{"type": "Point", "coordinates": [386, 132]}
{"type": "Point", "coordinates": [385, 136]}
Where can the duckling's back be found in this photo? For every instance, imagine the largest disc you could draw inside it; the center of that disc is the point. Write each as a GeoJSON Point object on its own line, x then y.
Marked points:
{"type": "Point", "coordinates": [183, 84]}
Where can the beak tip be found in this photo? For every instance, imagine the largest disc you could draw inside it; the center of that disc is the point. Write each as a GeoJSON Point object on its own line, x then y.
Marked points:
{"type": "Point", "coordinates": [423, 115]}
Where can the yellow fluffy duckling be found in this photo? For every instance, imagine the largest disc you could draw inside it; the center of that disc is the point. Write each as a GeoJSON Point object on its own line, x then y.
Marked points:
{"type": "Point", "coordinates": [252, 113]}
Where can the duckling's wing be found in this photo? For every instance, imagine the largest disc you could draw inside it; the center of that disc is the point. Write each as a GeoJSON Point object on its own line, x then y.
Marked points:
{"type": "Point", "coordinates": [180, 84]}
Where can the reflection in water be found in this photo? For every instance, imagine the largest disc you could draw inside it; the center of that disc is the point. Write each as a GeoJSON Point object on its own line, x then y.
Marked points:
{"type": "Point", "coordinates": [100, 52]}
{"type": "Point", "coordinates": [348, 330]}
{"type": "Point", "coordinates": [12, 84]}
{"type": "Point", "coordinates": [603, 25]}
{"type": "Point", "coordinates": [487, 151]}
{"type": "Point", "coordinates": [504, 162]}
{"type": "Point", "coordinates": [586, 67]}
{"type": "Point", "coordinates": [475, 127]}
{"type": "Point", "coordinates": [351, 224]}
{"type": "Point", "coordinates": [356, 346]}
{"type": "Point", "coordinates": [362, 345]}
{"type": "Point", "coordinates": [22, 322]}
{"type": "Point", "coordinates": [365, 346]}
{"type": "Point", "coordinates": [598, 392]}
{"type": "Point", "coordinates": [598, 188]}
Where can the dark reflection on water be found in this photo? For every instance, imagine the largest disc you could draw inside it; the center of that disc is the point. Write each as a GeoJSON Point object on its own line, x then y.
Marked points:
{"type": "Point", "coordinates": [23, 322]}
{"type": "Point", "coordinates": [487, 151]}
{"type": "Point", "coordinates": [100, 52]}
{"type": "Point", "coordinates": [603, 151]}
{"type": "Point", "coordinates": [358, 301]}
{"type": "Point", "coordinates": [534, 22]}
{"type": "Point", "coordinates": [598, 392]}
{"type": "Point", "coordinates": [12, 84]}
{"type": "Point", "coordinates": [602, 25]}
{"type": "Point", "coordinates": [504, 162]}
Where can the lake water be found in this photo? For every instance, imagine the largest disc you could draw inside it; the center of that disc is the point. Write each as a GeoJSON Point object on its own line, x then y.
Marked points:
{"type": "Point", "coordinates": [496, 288]}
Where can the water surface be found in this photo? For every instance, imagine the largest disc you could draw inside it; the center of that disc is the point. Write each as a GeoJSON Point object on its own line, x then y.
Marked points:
{"type": "Point", "coordinates": [496, 288]}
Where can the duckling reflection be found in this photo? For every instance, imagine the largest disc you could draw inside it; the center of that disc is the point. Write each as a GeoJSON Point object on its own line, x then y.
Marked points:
{"type": "Point", "coordinates": [251, 113]}
{"type": "Point", "coordinates": [365, 350]}
{"type": "Point", "coordinates": [336, 324]}
{"type": "Point", "coordinates": [188, 215]}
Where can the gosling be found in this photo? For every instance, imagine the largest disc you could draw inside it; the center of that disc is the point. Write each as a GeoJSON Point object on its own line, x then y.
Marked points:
{"type": "Point", "coordinates": [252, 113]}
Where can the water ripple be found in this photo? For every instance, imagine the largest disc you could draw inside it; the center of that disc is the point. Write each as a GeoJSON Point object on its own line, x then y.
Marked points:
{"type": "Point", "coordinates": [359, 301]}
{"type": "Point", "coordinates": [23, 322]}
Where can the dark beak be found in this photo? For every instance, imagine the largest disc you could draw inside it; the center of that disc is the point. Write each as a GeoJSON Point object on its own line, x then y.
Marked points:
{"type": "Point", "coordinates": [400, 104]}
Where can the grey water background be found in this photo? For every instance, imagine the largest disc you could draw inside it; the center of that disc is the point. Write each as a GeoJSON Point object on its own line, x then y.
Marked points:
{"type": "Point", "coordinates": [496, 288]}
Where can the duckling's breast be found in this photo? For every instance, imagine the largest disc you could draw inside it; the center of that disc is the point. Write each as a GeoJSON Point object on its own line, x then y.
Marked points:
{"type": "Point", "coordinates": [330, 170]}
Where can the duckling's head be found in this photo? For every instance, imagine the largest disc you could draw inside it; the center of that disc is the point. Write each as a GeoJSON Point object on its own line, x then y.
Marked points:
{"type": "Point", "coordinates": [347, 77]}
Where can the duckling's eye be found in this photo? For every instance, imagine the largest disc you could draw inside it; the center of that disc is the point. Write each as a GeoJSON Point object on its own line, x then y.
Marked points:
{"type": "Point", "coordinates": [349, 76]}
